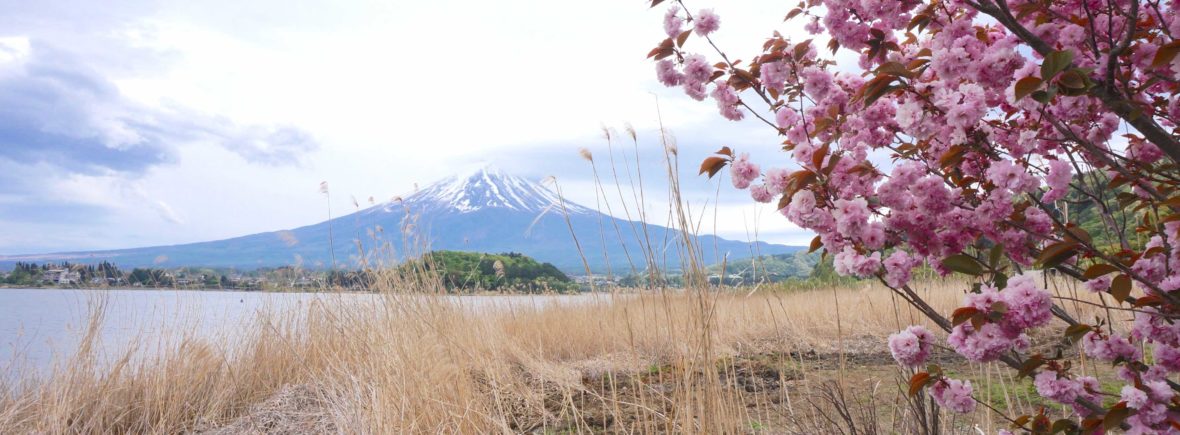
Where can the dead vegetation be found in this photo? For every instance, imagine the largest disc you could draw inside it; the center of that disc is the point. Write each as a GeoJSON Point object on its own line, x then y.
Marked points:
{"type": "Point", "coordinates": [661, 362]}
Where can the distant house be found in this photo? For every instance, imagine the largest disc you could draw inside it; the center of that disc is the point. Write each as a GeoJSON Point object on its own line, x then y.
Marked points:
{"type": "Point", "coordinates": [61, 277]}
{"type": "Point", "coordinates": [70, 278]}
{"type": "Point", "coordinates": [596, 280]}
{"type": "Point", "coordinates": [304, 281]}
{"type": "Point", "coordinates": [51, 276]}
{"type": "Point", "coordinates": [98, 280]}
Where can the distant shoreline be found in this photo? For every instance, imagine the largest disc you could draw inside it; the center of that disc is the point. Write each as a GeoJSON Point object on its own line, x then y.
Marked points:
{"type": "Point", "coordinates": [14, 287]}
{"type": "Point", "coordinates": [286, 291]}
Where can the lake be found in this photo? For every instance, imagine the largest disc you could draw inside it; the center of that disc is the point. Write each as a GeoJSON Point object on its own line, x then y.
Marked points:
{"type": "Point", "coordinates": [40, 326]}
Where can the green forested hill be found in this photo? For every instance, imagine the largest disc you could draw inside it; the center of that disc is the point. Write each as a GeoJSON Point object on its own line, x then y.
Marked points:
{"type": "Point", "coordinates": [499, 272]}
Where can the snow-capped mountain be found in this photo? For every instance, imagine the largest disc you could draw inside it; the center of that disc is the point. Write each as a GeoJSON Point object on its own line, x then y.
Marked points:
{"type": "Point", "coordinates": [486, 188]}
{"type": "Point", "coordinates": [482, 211]}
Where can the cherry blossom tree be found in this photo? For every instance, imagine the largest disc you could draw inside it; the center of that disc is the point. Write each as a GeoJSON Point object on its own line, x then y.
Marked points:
{"type": "Point", "coordinates": [1001, 121]}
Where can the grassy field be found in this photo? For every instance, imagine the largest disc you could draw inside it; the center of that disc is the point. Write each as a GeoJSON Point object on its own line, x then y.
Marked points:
{"type": "Point", "coordinates": [716, 361]}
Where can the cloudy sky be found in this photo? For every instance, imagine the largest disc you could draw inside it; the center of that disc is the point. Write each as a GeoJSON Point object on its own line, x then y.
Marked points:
{"type": "Point", "coordinates": [154, 122]}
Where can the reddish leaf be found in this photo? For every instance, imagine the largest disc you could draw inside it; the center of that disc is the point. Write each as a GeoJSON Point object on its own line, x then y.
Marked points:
{"type": "Point", "coordinates": [663, 51]}
{"type": "Point", "coordinates": [816, 243]}
{"type": "Point", "coordinates": [952, 156]}
{"type": "Point", "coordinates": [1030, 365]}
{"type": "Point", "coordinates": [1026, 86]}
{"type": "Point", "coordinates": [1115, 416]}
{"type": "Point", "coordinates": [1120, 287]}
{"type": "Point", "coordinates": [963, 314]}
{"type": "Point", "coordinates": [1057, 253]}
{"type": "Point", "coordinates": [895, 68]}
{"type": "Point", "coordinates": [978, 320]}
{"type": "Point", "coordinates": [801, 49]}
{"type": "Point", "coordinates": [1149, 300]}
{"type": "Point", "coordinates": [1077, 233]}
{"type": "Point", "coordinates": [1072, 80]}
{"type": "Point", "coordinates": [817, 158]}
{"type": "Point", "coordinates": [918, 381]}
{"type": "Point", "coordinates": [1098, 270]}
{"type": "Point", "coordinates": [1165, 54]}
{"type": "Point", "coordinates": [712, 165]}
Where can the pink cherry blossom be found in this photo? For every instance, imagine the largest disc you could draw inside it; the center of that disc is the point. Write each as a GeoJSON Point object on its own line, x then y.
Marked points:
{"type": "Point", "coordinates": [786, 117]}
{"type": "Point", "coordinates": [706, 22]}
{"type": "Point", "coordinates": [727, 102]}
{"type": "Point", "coordinates": [777, 179]}
{"type": "Point", "coordinates": [1058, 180]}
{"type": "Point", "coordinates": [954, 395]}
{"type": "Point", "coordinates": [911, 347]}
{"type": "Point", "coordinates": [1109, 348]}
{"type": "Point", "coordinates": [1099, 284]}
{"type": "Point", "coordinates": [898, 267]}
{"type": "Point", "coordinates": [1050, 385]}
{"type": "Point", "coordinates": [961, 152]}
{"type": "Point", "coordinates": [673, 22]}
{"type": "Point", "coordinates": [742, 171]}
{"type": "Point", "coordinates": [697, 69]}
{"type": "Point", "coordinates": [667, 73]}
{"type": "Point", "coordinates": [761, 193]}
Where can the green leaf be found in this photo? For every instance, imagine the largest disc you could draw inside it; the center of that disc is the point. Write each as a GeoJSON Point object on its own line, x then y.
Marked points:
{"type": "Point", "coordinates": [1064, 425]}
{"type": "Point", "coordinates": [1046, 95]}
{"type": "Point", "coordinates": [995, 255]}
{"type": "Point", "coordinates": [1000, 280]}
{"type": "Point", "coordinates": [1055, 62]}
{"type": "Point", "coordinates": [963, 263]}
{"type": "Point", "coordinates": [1076, 332]}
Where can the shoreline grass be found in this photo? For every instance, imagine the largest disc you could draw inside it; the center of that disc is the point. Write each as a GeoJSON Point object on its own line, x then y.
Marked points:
{"type": "Point", "coordinates": [412, 362]}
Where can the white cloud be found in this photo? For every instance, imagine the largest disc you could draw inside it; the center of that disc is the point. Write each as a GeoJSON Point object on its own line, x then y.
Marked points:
{"type": "Point", "coordinates": [394, 93]}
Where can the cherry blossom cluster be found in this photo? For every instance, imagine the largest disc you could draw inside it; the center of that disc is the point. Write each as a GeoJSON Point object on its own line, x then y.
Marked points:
{"type": "Point", "coordinates": [912, 346]}
{"type": "Point", "coordinates": [964, 138]}
{"type": "Point", "coordinates": [1022, 305]}
{"type": "Point", "coordinates": [954, 395]}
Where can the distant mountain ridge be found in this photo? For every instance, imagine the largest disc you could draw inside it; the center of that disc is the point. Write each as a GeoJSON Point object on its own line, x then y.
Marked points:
{"type": "Point", "coordinates": [482, 211]}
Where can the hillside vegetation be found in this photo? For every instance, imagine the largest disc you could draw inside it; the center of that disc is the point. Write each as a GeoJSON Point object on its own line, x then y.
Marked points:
{"type": "Point", "coordinates": [473, 271]}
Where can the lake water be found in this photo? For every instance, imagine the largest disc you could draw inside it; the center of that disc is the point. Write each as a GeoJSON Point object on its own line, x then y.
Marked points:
{"type": "Point", "coordinates": [40, 326]}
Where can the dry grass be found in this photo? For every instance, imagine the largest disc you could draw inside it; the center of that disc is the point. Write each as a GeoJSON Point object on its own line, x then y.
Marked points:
{"type": "Point", "coordinates": [697, 361]}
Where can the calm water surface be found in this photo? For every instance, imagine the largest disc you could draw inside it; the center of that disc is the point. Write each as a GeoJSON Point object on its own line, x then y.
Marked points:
{"type": "Point", "coordinates": [41, 326]}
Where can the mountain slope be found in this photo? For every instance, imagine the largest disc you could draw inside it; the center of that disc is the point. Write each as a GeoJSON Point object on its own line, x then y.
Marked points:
{"type": "Point", "coordinates": [484, 211]}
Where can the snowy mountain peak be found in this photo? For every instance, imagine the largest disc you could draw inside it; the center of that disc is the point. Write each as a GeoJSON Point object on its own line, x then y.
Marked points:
{"type": "Point", "coordinates": [490, 188]}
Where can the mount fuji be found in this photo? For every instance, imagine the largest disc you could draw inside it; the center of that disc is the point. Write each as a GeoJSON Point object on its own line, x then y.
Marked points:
{"type": "Point", "coordinates": [482, 211]}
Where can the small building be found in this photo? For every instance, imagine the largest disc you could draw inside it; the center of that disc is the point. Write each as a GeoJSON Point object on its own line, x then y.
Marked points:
{"type": "Point", "coordinates": [61, 277]}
